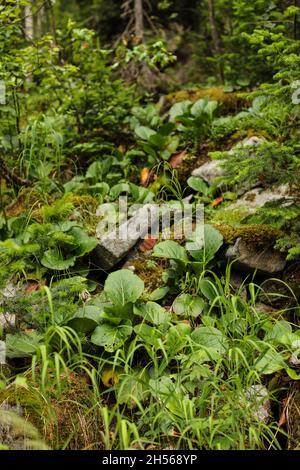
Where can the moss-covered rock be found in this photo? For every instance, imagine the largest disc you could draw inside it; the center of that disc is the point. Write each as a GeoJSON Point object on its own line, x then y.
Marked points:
{"type": "Point", "coordinates": [232, 102]}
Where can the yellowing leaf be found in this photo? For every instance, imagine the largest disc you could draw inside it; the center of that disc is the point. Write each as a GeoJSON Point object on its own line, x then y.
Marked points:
{"type": "Point", "coordinates": [110, 377]}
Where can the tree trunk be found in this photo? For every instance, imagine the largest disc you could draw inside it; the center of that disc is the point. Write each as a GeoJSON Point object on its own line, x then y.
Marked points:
{"type": "Point", "coordinates": [215, 35]}
{"type": "Point", "coordinates": [28, 21]}
{"type": "Point", "coordinates": [296, 22]}
{"type": "Point", "coordinates": [139, 21]}
{"type": "Point", "coordinates": [40, 20]}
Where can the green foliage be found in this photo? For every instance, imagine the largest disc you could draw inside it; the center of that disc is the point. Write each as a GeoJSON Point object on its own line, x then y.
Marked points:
{"type": "Point", "coordinates": [175, 367]}
{"type": "Point", "coordinates": [195, 119]}
{"type": "Point", "coordinates": [271, 162]}
{"type": "Point", "coordinates": [55, 244]}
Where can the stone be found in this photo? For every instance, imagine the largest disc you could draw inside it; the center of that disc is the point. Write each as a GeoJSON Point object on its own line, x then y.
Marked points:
{"type": "Point", "coordinates": [249, 257]}
{"type": "Point", "coordinates": [213, 168]}
{"type": "Point", "coordinates": [253, 141]}
{"type": "Point", "coordinates": [209, 171]}
{"type": "Point", "coordinates": [9, 291]}
{"type": "Point", "coordinates": [260, 307]}
{"type": "Point", "coordinates": [2, 352]}
{"type": "Point", "coordinates": [7, 321]}
{"type": "Point", "coordinates": [258, 398]}
{"type": "Point", "coordinates": [258, 197]}
{"type": "Point", "coordinates": [12, 432]}
{"type": "Point", "coordinates": [116, 244]}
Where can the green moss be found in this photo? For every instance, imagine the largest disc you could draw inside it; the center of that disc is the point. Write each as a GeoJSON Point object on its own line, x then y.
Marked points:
{"type": "Point", "coordinates": [232, 102]}
{"type": "Point", "coordinates": [149, 270]}
{"type": "Point", "coordinates": [264, 235]}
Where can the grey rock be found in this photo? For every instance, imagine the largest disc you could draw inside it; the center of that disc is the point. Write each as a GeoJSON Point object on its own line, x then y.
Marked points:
{"type": "Point", "coordinates": [258, 197]}
{"type": "Point", "coordinates": [2, 352]}
{"type": "Point", "coordinates": [213, 169]}
{"type": "Point", "coordinates": [253, 141]}
{"type": "Point", "coordinates": [257, 395]}
{"type": "Point", "coordinates": [13, 438]}
{"type": "Point", "coordinates": [260, 307]}
{"type": "Point", "coordinates": [209, 171]}
{"type": "Point", "coordinates": [249, 258]}
{"type": "Point", "coordinates": [115, 245]}
{"type": "Point", "coordinates": [10, 291]}
{"type": "Point", "coordinates": [7, 321]}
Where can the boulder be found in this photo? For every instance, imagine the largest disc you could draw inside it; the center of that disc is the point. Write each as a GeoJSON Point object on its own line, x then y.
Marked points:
{"type": "Point", "coordinates": [213, 169]}
{"type": "Point", "coordinates": [257, 395]}
{"type": "Point", "coordinates": [209, 171]}
{"type": "Point", "coordinates": [258, 197]}
{"type": "Point", "coordinates": [116, 244]}
{"type": "Point", "coordinates": [249, 257]}
{"type": "Point", "coordinates": [253, 141]}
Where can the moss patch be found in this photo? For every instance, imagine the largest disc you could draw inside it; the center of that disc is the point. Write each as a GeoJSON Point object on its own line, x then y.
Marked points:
{"type": "Point", "coordinates": [260, 235]}
{"type": "Point", "coordinates": [232, 102]}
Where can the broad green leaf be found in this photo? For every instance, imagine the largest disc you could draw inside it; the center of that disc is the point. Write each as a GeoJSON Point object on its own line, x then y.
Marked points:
{"type": "Point", "coordinates": [178, 109]}
{"type": "Point", "coordinates": [152, 312]}
{"type": "Point", "coordinates": [53, 259]}
{"type": "Point", "coordinates": [198, 185]}
{"type": "Point", "coordinates": [199, 107]}
{"type": "Point", "coordinates": [159, 293]}
{"type": "Point", "coordinates": [144, 132]}
{"type": "Point", "coordinates": [99, 188]}
{"type": "Point", "coordinates": [116, 190]}
{"type": "Point", "coordinates": [148, 334]}
{"type": "Point", "coordinates": [94, 171]}
{"type": "Point", "coordinates": [210, 337]}
{"type": "Point", "coordinates": [205, 251]}
{"type": "Point", "coordinates": [85, 243]}
{"type": "Point", "coordinates": [116, 313]}
{"type": "Point", "coordinates": [188, 305]}
{"type": "Point", "coordinates": [167, 129]}
{"type": "Point", "coordinates": [177, 338]}
{"type": "Point", "coordinates": [86, 318]}
{"type": "Point", "coordinates": [269, 362]}
{"type": "Point", "coordinates": [170, 250]}
{"type": "Point", "coordinates": [111, 337]}
{"type": "Point", "coordinates": [22, 344]}
{"type": "Point", "coordinates": [123, 286]}
{"type": "Point", "coordinates": [133, 387]}
{"type": "Point", "coordinates": [157, 140]}
{"type": "Point", "coordinates": [278, 331]}
{"type": "Point", "coordinates": [207, 288]}
{"type": "Point", "coordinates": [173, 144]}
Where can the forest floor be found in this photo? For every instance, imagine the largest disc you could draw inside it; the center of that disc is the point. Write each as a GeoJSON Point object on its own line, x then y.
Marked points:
{"type": "Point", "coordinates": [157, 342]}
